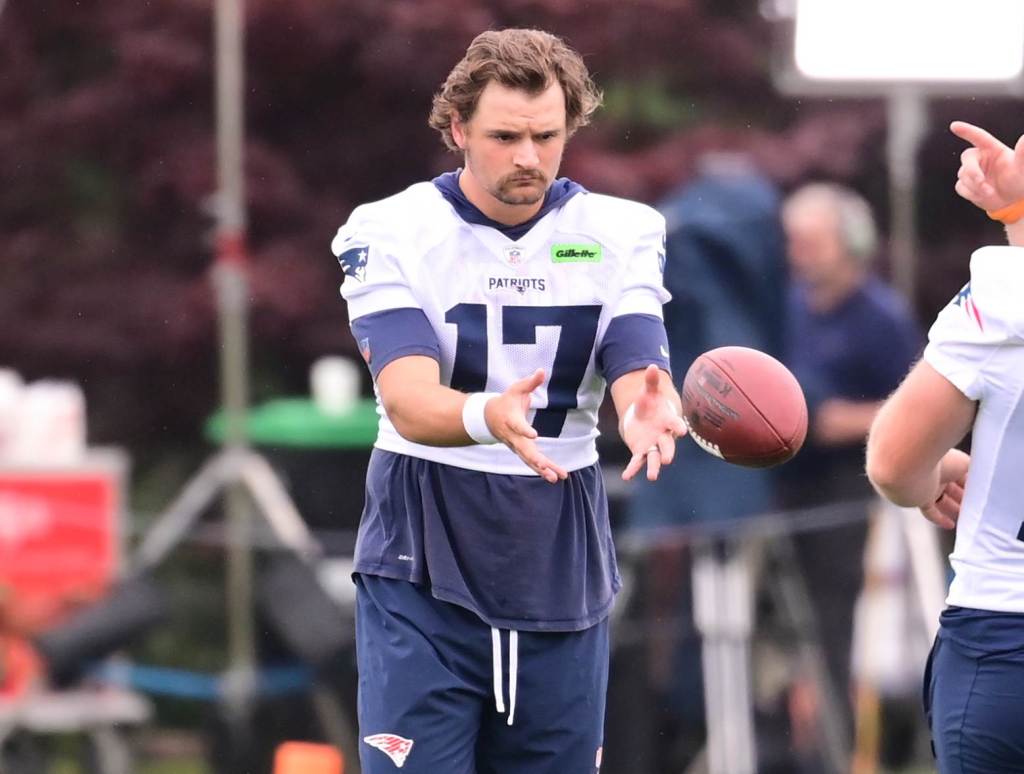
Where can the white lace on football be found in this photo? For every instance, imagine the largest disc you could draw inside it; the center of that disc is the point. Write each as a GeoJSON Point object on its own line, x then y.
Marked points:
{"type": "Point", "coordinates": [706, 445]}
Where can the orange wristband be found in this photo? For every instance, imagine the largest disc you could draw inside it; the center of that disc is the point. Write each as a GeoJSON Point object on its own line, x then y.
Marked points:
{"type": "Point", "coordinates": [1009, 214]}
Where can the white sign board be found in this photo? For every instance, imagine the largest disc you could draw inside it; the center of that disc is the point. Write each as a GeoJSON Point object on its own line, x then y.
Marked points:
{"type": "Point", "coordinates": [910, 40]}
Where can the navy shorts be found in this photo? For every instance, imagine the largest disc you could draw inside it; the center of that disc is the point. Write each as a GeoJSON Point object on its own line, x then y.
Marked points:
{"type": "Point", "coordinates": [437, 687]}
{"type": "Point", "coordinates": [974, 692]}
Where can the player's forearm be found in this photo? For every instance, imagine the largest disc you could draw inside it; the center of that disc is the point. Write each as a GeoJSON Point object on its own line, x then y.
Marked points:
{"type": "Point", "coordinates": [894, 467]}
{"type": "Point", "coordinates": [907, 486]}
{"type": "Point", "coordinates": [915, 428]}
{"type": "Point", "coordinates": [428, 413]}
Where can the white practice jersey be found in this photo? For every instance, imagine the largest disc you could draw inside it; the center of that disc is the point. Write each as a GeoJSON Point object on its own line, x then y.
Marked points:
{"type": "Point", "coordinates": [500, 309]}
{"type": "Point", "coordinates": [977, 342]}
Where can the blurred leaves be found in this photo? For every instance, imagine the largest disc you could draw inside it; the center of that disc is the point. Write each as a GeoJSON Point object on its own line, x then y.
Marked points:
{"type": "Point", "coordinates": [107, 161]}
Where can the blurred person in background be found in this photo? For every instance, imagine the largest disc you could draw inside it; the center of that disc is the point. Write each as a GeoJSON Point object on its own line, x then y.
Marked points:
{"type": "Point", "coordinates": [726, 270]}
{"type": "Point", "coordinates": [971, 379]}
{"type": "Point", "coordinates": [494, 305]}
{"type": "Point", "coordinates": [850, 339]}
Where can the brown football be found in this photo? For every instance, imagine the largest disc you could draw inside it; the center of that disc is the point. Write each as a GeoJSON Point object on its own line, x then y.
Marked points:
{"type": "Point", "coordinates": [744, 406]}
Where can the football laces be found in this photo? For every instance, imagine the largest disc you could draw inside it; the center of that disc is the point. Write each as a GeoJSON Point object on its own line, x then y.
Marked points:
{"type": "Point", "coordinates": [705, 444]}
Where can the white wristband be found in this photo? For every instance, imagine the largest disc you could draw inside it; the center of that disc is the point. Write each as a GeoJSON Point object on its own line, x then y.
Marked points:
{"type": "Point", "coordinates": [473, 417]}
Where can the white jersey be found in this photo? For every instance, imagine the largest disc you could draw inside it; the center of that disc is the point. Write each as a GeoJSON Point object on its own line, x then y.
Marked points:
{"type": "Point", "coordinates": [977, 342]}
{"type": "Point", "coordinates": [500, 308]}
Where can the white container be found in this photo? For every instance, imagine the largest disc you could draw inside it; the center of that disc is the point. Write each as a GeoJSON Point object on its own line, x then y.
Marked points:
{"type": "Point", "coordinates": [334, 383]}
{"type": "Point", "coordinates": [50, 428]}
{"type": "Point", "coordinates": [11, 391]}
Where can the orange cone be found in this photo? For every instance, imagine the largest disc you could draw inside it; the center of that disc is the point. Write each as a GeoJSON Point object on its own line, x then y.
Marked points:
{"type": "Point", "coordinates": [307, 758]}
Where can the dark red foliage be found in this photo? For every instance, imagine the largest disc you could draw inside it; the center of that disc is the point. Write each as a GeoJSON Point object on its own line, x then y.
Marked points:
{"type": "Point", "coordinates": [107, 162]}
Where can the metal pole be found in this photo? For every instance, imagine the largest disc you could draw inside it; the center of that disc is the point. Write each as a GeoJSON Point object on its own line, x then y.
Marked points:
{"type": "Point", "coordinates": [232, 298]}
{"type": "Point", "coordinates": [907, 114]}
{"type": "Point", "coordinates": [723, 613]}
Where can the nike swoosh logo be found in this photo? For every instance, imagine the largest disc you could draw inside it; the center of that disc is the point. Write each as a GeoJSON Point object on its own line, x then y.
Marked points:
{"type": "Point", "coordinates": [664, 352]}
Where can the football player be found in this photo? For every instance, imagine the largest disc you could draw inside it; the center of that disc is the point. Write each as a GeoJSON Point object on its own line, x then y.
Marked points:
{"type": "Point", "coordinates": [972, 379]}
{"type": "Point", "coordinates": [494, 305]}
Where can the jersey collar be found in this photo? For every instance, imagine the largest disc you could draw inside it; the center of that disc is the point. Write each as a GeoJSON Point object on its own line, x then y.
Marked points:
{"type": "Point", "coordinates": [558, 193]}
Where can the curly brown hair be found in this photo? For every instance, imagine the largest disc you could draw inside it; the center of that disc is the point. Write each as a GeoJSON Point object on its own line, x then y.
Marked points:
{"type": "Point", "coordinates": [520, 59]}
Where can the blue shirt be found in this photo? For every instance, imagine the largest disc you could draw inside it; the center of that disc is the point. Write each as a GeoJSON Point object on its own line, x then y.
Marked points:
{"type": "Point", "coordinates": [858, 351]}
{"type": "Point", "coordinates": [726, 270]}
{"type": "Point", "coordinates": [519, 552]}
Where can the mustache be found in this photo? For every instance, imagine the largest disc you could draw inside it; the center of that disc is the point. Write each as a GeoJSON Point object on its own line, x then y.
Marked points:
{"type": "Point", "coordinates": [525, 178]}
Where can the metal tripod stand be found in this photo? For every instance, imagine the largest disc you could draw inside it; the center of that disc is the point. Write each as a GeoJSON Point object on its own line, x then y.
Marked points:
{"type": "Point", "coordinates": [243, 477]}
{"type": "Point", "coordinates": [247, 476]}
{"type": "Point", "coordinates": [723, 578]}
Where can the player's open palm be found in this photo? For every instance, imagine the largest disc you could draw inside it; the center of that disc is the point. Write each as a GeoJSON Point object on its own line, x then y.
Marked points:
{"type": "Point", "coordinates": [651, 429]}
{"type": "Point", "coordinates": [991, 173]}
{"type": "Point", "coordinates": [945, 511]}
{"type": "Point", "coordinates": [506, 418]}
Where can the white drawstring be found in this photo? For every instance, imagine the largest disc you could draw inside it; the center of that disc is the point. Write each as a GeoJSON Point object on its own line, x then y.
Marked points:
{"type": "Point", "coordinates": [513, 671]}
{"type": "Point", "coordinates": [499, 702]}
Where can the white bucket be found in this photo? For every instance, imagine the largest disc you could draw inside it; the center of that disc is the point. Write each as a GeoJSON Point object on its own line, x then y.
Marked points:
{"type": "Point", "coordinates": [50, 428]}
{"type": "Point", "coordinates": [11, 390]}
{"type": "Point", "coordinates": [334, 383]}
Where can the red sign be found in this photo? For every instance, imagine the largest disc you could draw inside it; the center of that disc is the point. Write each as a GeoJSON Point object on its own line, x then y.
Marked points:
{"type": "Point", "coordinates": [59, 540]}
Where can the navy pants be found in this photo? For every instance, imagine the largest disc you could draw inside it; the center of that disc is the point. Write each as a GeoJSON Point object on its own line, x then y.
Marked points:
{"type": "Point", "coordinates": [437, 687]}
{"type": "Point", "coordinates": [974, 692]}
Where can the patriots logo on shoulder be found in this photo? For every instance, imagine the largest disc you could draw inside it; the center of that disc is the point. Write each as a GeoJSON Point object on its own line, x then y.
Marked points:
{"type": "Point", "coordinates": [353, 261]}
{"type": "Point", "coordinates": [965, 300]}
{"type": "Point", "coordinates": [397, 748]}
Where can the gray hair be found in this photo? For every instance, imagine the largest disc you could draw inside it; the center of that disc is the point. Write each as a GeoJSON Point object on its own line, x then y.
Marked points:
{"type": "Point", "coordinates": [854, 218]}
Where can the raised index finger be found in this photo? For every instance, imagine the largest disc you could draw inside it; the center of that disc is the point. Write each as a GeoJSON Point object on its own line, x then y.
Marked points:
{"type": "Point", "coordinates": [975, 135]}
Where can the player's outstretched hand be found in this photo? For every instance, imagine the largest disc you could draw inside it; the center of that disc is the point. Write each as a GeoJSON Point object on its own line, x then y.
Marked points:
{"type": "Point", "coordinates": [651, 429]}
{"type": "Point", "coordinates": [506, 418]}
{"type": "Point", "coordinates": [945, 511]}
{"type": "Point", "coordinates": [991, 174]}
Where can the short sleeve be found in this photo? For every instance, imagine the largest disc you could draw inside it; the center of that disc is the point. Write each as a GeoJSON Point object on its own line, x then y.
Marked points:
{"type": "Point", "coordinates": [633, 342]}
{"type": "Point", "coordinates": [980, 320]}
{"type": "Point", "coordinates": [392, 334]}
{"type": "Point", "coordinates": [643, 289]}
{"type": "Point", "coordinates": [371, 257]}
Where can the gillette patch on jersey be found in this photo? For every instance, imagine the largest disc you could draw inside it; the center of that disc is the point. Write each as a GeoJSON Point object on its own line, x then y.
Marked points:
{"type": "Point", "coordinates": [575, 253]}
